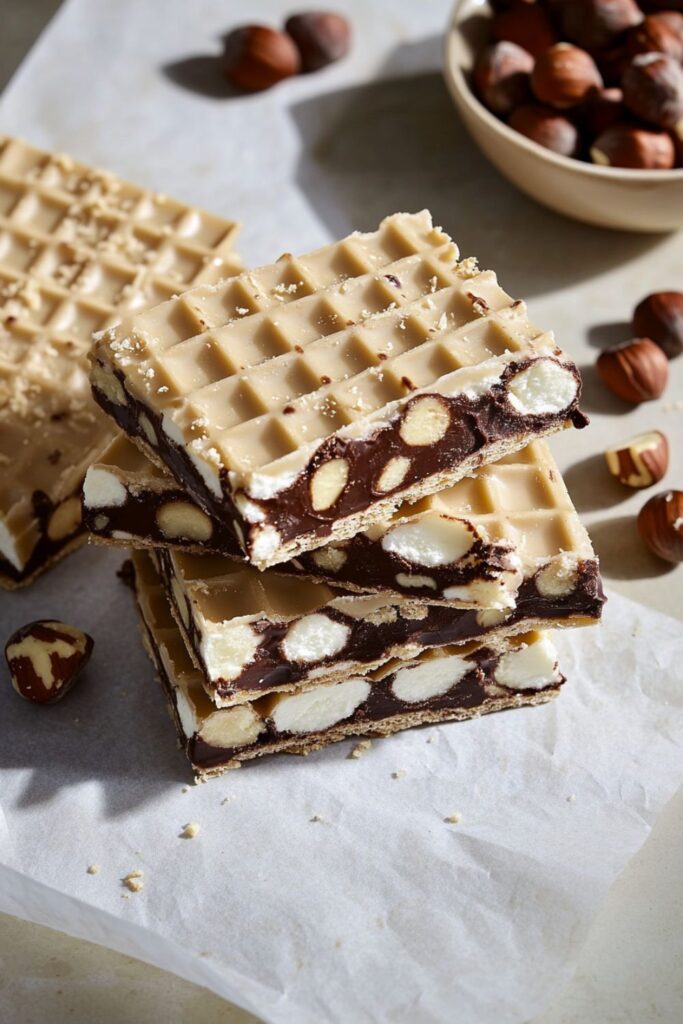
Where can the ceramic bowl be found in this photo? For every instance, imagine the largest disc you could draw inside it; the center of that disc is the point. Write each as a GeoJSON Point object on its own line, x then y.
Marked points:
{"type": "Point", "coordinates": [610, 197]}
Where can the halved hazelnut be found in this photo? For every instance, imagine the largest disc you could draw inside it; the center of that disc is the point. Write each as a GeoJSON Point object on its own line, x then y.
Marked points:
{"type": "Point", "coordinates": [181, 519]}
{"type": "Point", "coordinates": [45, 658]}
{"type": "Point", "coordinates": [327, 484]}
{"type": "Point", "coordinates": [426, 421]}
{"type": "Point", "coordinates": [640, 462]}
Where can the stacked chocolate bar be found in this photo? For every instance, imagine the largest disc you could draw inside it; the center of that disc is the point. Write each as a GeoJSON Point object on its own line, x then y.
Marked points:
{"type": "Point", "coordinates": [353, 525]}
{"type": "Point", "coordinates": [78, 248]}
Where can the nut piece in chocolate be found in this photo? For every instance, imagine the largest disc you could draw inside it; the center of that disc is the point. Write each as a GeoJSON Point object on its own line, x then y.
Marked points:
{"type": "Point", "coordinates": [45, 658]}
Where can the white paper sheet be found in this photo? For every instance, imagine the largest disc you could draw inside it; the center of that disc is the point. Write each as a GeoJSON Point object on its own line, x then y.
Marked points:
{"type": "Point", "coordinates": [381, 911]}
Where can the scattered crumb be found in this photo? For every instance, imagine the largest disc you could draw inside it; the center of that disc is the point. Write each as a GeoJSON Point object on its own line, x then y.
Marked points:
{"type": "Point", "coordinates": [571, 799]}
{"type": "Point", "coordinates": [399, 774]}
{"type": "Point", "coordinates": [338, 944]}
{"type": "Point", "coordinates": [429, 739]}
{"type": "Point", "coordinates": [93, 869]}
{"type": "Point", "coordinates": [190, 830]}
{"type": "Point", "coordinates": [453, 819]}
{"type": "Point", "coordinates": [359, 749]}
{"type": "Point", "coordinates": [228, 800]}
{"type": "Point", "coordinates": [316, 817]}
{"type": "Point", "coordinates": [185, 789]}
{"type": "Point", "coordinates": [133, 880]}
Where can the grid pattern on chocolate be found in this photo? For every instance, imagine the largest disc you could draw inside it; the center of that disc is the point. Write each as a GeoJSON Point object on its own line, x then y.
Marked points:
{"type": "Point", "coordinates": [247, 388]}
{"type": "Point", "coordinates": [78, 248]}
{"type": "Point", "coordinates": [259, 383]}
{"type": "Point", "coordinates": [221, 732]}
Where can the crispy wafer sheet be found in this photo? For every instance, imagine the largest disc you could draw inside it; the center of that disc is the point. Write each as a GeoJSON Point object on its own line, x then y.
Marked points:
{"type": "Point", "coordinates": [254, 632]}
{"type": "Point", "coordinates": [307, 399]}
{"type": "Point", "coordinates": [471, 545]}
{"type": "Point", "coordinates": [78, 248]}
{"type": "Point", "coordinates": [449, 683]}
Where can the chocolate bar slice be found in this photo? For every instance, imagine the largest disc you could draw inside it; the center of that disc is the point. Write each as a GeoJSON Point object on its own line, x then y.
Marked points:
{"type": "Point", "coordinates": [307, 422]}
{"type": "Point", "coordinates": [252, 632]}
{"type": "Point", "coordinates": [448, 683]}
{"type": "Point", "coordinates": [78, 248]}
{"type": "Point", "coordinates": [471, 545]}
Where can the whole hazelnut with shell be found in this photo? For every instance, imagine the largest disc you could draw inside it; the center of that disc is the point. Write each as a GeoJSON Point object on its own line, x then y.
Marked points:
{"type": "Point", "coordinates": [637, 371]}
{"type": "Point", "coordinates": [526, 24]}
{"type": "Point", "coordinates": [594, 24]}
{"type": "Point", "coordinates": [660, 524]}
{"type": "Point", "coordinates": [501, 76]}
{"type": "Point", "coordinates": [564, 76]}
{"type": "Point", "coordinates": [660, 317]}
{"type": "Point", "coordinates": [653, 90]}
{"type": "Point", "coordinates": [257, 57]}
{"type": "Point", "coordinates": [547, 127]}
{"type": "Point", "coordinates": [638, 148]}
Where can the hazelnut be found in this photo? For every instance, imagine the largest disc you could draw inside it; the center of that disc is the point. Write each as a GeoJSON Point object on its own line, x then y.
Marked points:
{"type": "Point", "coordinates": [321, 37]}
{"type": "Point", "coordinates": [660, 524]}
{"type": "Point", "coordinates": [658, 33]}
{"type": "Point", "coordinates": [603, 110]}
{"type": "Point", "coordinates": [593, 24]}
{"type": "Point", "coordinates": [426, 421]}
{"type": "Point", "coordinates": [653, 90]}
{"type": "Point", "coordinates": [501, 76]}
{"type": "Point", "coordinates": [45, 658]}
{"type": "Point", "coordinates": [327, 484]}
{"type": "Point", "coordinates": [257, 57]}
{"type": "Point", "coordinates": [660, 317]}
{"type": "Point", "coordinates": [564, 76]}
{"type": "Point", "coordinates": [526, 24]}
{"type": "Point", "coordinates": [548, 128]}
{"type": "Point", "coordinates": [636, 371]}
{"type": "Point", "coordinates": [626, 145]}
{"type": "Point", "coordinates": [640, 462]}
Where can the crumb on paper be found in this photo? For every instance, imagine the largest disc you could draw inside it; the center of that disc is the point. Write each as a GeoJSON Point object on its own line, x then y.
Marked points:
{"type": "Point", "coordinates": [133, 880]}
{"type": "Point", "coordinates": [185, 789]}
{"type": "Point", "coordinates": [359, 749]}
{"type": "Point", "coordinates": [191, 830]}
{"type": "Point", "coordinates": [228, 799]}
{"type": "Point", "coordinates": [400, 774]}
{"type": "Point", "coordinates": [339, 943]}
{"type": "Point", "coordinates": [93, 869]}
{"type": "Point", "coordinates": [316, 817]}
{"type": "Point", "coordinates": [453, 819]}
{"type": "Point", "coordinates": [571, 799]}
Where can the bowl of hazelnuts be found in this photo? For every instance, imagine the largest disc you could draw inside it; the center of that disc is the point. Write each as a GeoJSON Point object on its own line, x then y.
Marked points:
{"type": "Point", "coordinates": [578, 102]}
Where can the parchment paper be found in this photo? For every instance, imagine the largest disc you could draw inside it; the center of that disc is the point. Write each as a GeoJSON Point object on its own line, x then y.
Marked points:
{"type": "Point", "coordinates": [380, 910]}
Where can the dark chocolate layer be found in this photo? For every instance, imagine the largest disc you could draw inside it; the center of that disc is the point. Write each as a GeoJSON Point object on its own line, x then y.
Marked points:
{"type": "Point", "coordinates": [473, 423]}
{"type": "Point", "coordinates": [368, 641]}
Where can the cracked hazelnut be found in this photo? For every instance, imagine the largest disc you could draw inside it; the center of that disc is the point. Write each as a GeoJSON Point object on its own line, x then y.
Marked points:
{"type": "Point", "coordinates": [426, 421]}
{"type": "Point", "coordinates": [45, 658]}
{"type": "Point", "coordinates": [636, 371]}
{"type": "Point", "coordinates": [257, 57]}
{"type": "Point", "coordinates": [327, 484]}
{"type": "Point", "coordinates": [653, 90]}
{"type": "Point", "coordinates": [502, 75]}
{"type": "Point", "coordinates": [321, 37]}
{"type": "Point", "coordinates": [640, 462]}
{"type": "Point", "coordinates": [660, 317]}
{"type": "Point", "coordinates": [660, 524]}
{"type": "Point", "coordinates": [626, 145]}
{"type": "Point", "coordinates": [593, 24]}
{"type": "Point", "coordinates": [658, 33]}
{"type": "Point", "coordinates": [564, 76]}
{"type": "Point", "coordinates": [526, 24]}
{"type": "Point", "coordinates": [547, 127]}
